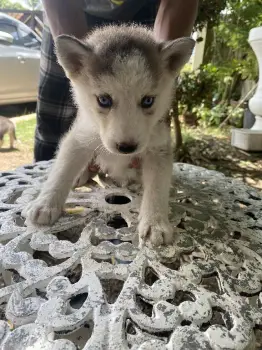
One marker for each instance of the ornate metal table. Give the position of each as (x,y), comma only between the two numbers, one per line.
(84,284)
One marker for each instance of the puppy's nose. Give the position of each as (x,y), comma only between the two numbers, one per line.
(126,148)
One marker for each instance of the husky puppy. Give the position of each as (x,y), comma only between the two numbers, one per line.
(7,127)
(123,84)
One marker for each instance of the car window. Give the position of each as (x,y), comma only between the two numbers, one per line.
(21,36)
(27,38)
(10,29)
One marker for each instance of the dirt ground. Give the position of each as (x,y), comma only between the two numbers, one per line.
(22,154)
(209,148)
(212,150)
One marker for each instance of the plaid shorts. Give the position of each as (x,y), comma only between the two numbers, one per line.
(55,107)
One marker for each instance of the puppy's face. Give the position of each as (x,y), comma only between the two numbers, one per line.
(126,79)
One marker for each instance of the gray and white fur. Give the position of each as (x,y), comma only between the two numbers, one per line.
(123,84)
(7,127)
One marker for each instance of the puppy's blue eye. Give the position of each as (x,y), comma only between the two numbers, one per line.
(147,101)
(105,101)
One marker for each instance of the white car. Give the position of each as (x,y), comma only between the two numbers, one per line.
(19,62)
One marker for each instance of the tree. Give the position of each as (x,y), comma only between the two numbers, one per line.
(229,49)
(231,37)
(33,4)
(208,15)
(209,12)
(7,4)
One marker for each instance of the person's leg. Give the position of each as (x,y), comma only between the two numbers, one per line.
(55,107)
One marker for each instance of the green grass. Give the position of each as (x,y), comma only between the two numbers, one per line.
(24,146)
(190,134)
(25,130)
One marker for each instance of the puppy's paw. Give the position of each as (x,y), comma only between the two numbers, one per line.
(42,211)
(156,231)
(82,178)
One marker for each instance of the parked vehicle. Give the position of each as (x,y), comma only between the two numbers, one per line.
(19,61)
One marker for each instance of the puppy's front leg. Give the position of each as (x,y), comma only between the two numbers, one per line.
(157,173)
(70,159)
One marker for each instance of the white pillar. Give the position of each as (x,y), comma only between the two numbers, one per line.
(199,49)
(255,103)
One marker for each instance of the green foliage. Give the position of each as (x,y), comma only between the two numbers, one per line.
(199,93)
(208,92)
(215,116)
(209,12)
(7,4)
(231,50)
(197,87)
(33,4)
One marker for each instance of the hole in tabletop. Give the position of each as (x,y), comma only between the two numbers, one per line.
(235,219)
(117,221)
(255,198)
(130,329)
(79,337)
(74,275)
(249,295)
(100,260)
(19,220)
(6,174)
(251,215)
(187,200)
(14,196)
(235,234)
(95,241)
(185,323)
(150,276)
(15,276)
(144,306)
(255,227)
(29,167)
(219,317)
(77,301)
(47,258)
(174,265)
(41,293)
(72,234)
(22,182)
(2,312)
(258,337)
(111,288)
(117,199)
(211,283)
(182,224)
(181,296)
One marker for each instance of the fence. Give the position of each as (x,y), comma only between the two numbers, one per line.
(34,19)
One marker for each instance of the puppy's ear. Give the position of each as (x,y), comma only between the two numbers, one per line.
(72,54)
(176,53)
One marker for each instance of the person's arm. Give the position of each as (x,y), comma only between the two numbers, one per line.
(175,19)
(66,17)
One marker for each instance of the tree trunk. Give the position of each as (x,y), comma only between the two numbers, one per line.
(208,52)
(177,126)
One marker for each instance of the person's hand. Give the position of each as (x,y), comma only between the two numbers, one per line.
(175,19)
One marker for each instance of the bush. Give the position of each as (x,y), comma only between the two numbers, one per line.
(196,88)
(216,115)
(203,93)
